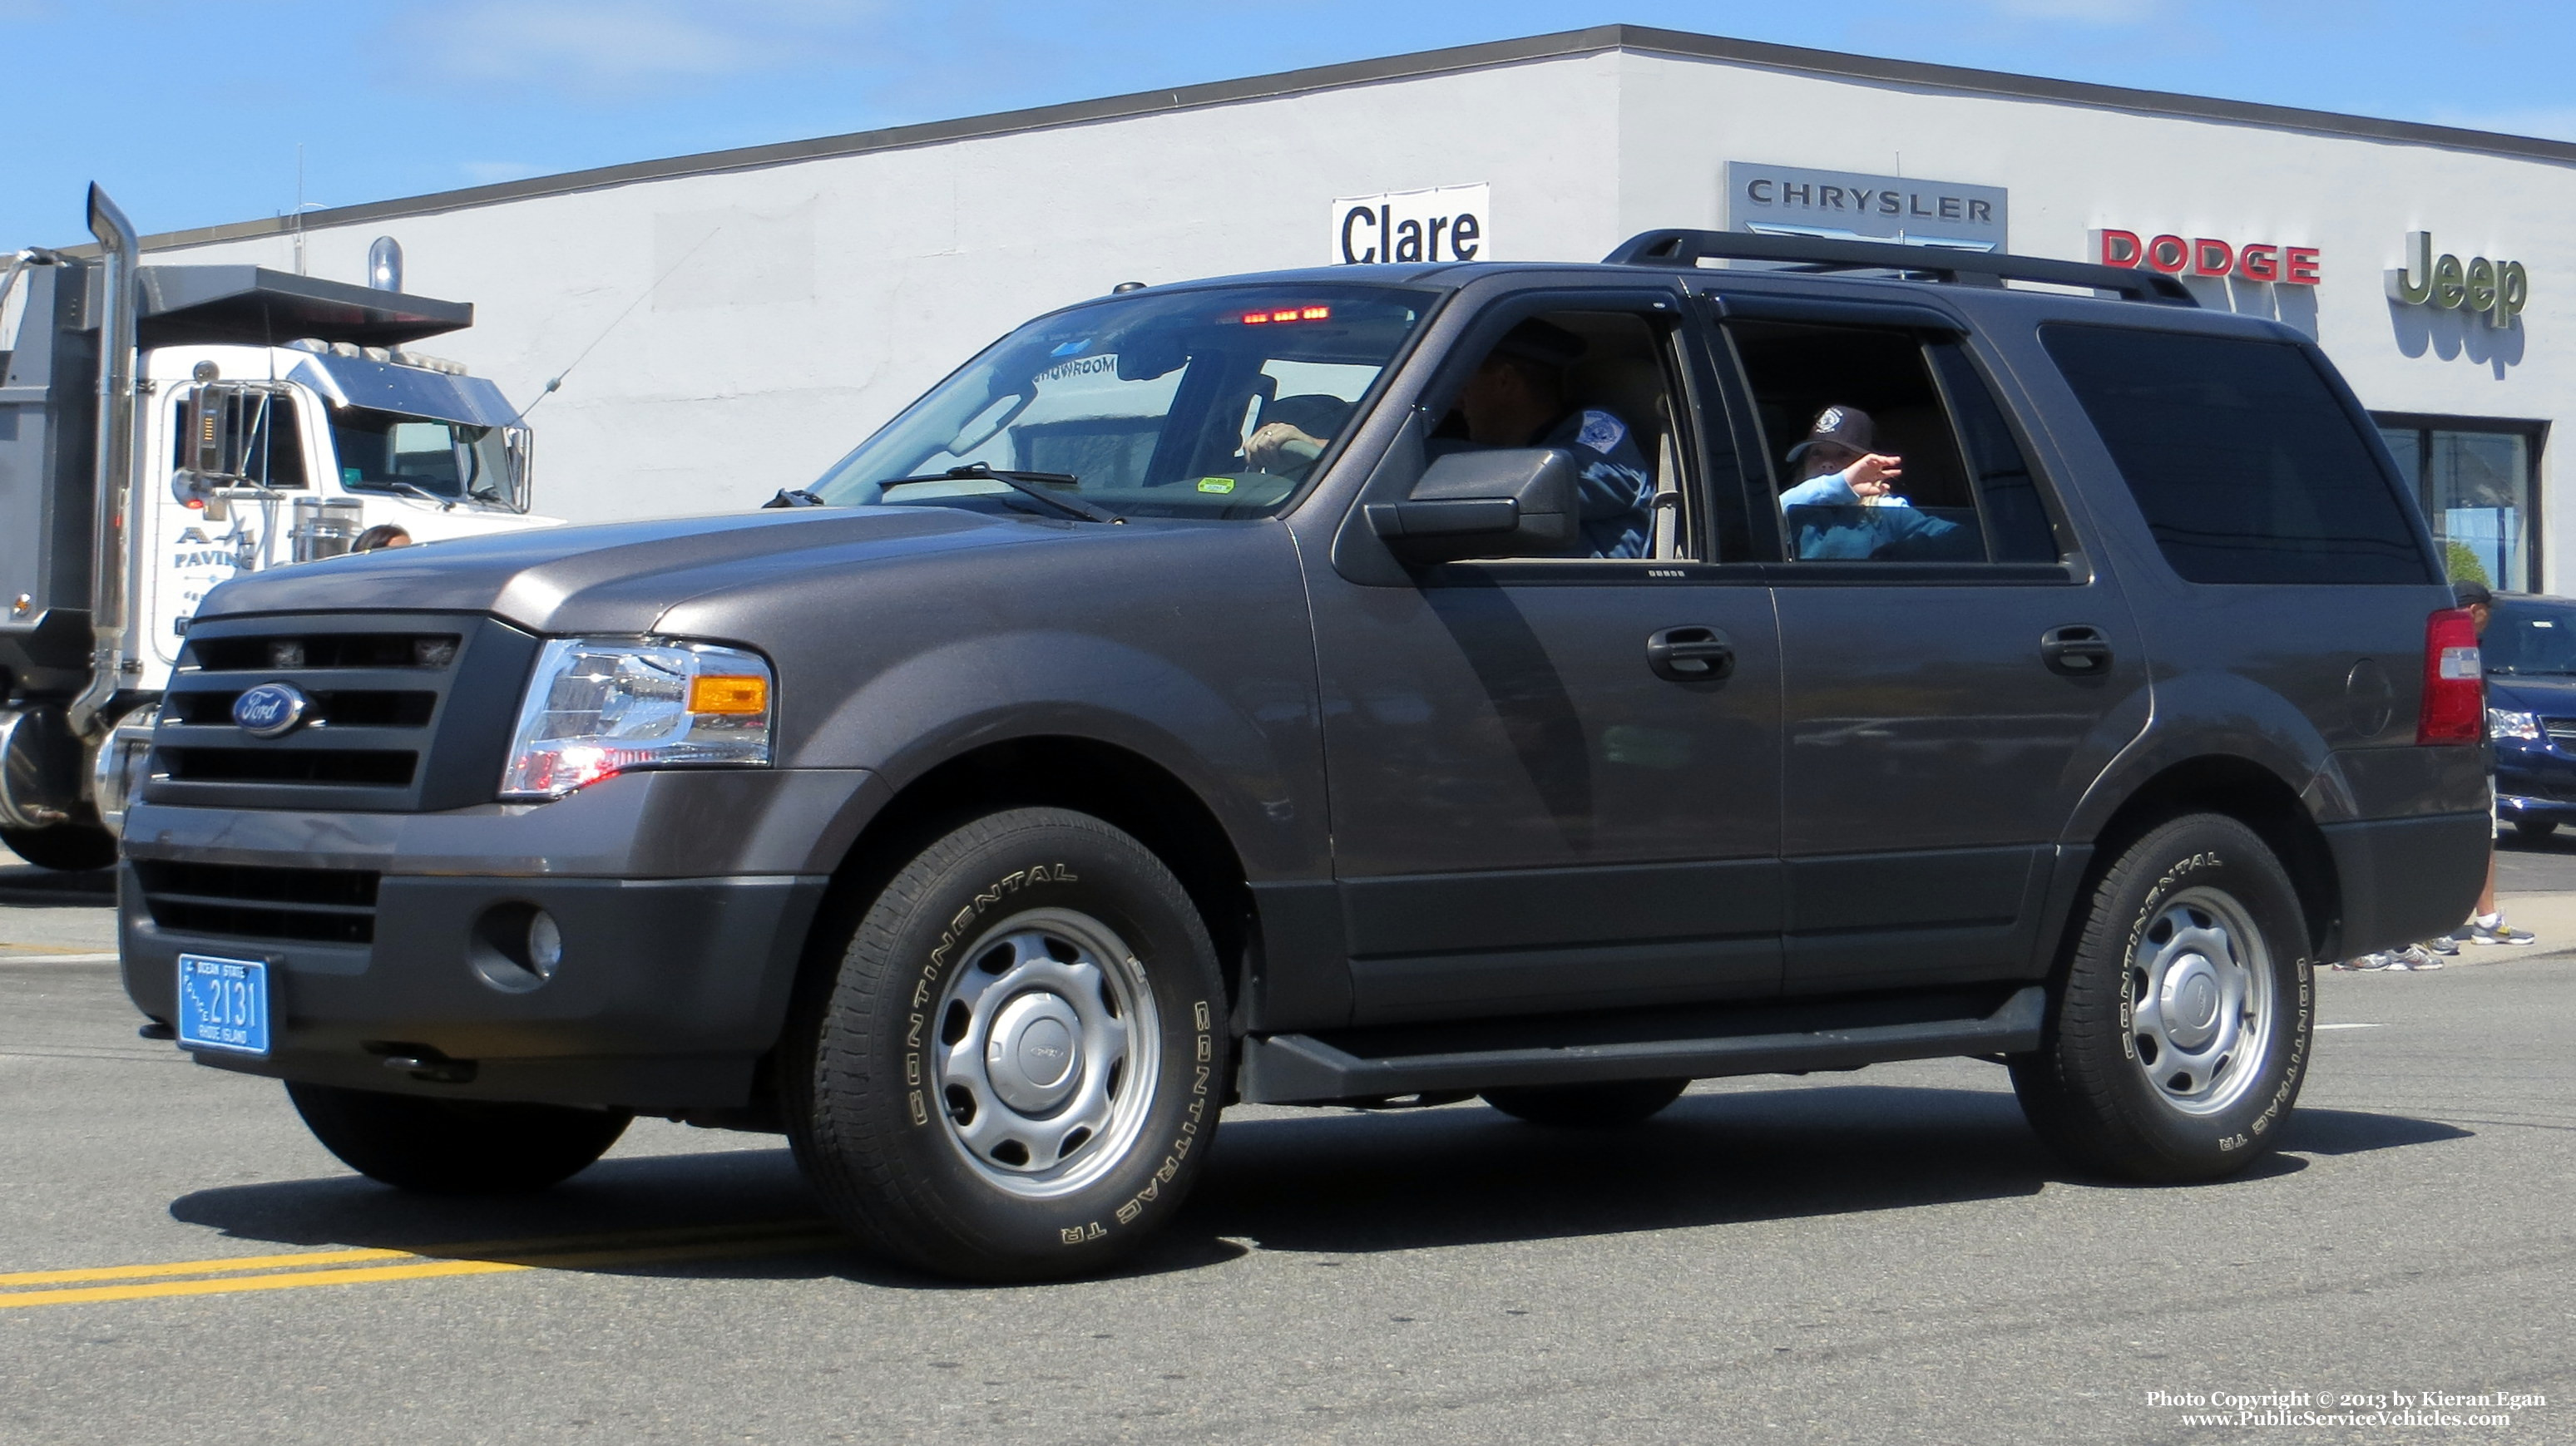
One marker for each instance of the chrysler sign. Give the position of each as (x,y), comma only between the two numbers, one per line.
(1791,201)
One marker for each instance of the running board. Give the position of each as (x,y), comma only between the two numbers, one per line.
(1283,1069)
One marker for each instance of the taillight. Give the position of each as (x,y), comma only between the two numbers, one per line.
(2455,697)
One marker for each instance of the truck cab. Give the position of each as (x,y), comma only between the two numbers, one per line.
(164,429)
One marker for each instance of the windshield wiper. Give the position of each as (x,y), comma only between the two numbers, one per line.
(424,494)
(1028,484)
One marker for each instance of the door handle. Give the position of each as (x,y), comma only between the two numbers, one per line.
(1690,655)
(2076,650)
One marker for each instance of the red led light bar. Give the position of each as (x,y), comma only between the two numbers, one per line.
(1288,313)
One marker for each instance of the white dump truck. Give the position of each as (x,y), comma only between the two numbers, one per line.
(166,428)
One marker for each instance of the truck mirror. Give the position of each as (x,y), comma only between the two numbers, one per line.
(520,443)
(205,432)
(1504,502)
(225,421)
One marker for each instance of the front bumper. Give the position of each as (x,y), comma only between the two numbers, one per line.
(672,988)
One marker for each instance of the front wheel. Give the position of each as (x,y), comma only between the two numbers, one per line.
(2535,829)
(2179,1037)
(1020,1059)
(455,1147)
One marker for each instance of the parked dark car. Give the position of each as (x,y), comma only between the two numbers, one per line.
(2530,652)
(1379,684)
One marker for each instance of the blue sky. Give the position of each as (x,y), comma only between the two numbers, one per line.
(192,113)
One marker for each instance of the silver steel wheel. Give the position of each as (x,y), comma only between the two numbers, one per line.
(2202,1006)
(1048,1051)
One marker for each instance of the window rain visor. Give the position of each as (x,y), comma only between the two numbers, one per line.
(597,707)
(1201,403)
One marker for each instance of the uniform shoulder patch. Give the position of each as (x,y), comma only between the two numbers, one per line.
(1601,431)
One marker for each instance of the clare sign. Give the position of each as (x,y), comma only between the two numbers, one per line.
(1450,223)
(2496,290)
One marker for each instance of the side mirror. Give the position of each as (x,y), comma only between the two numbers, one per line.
(1507,502)
(226,422)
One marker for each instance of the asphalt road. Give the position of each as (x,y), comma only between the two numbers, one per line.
(1868,1258)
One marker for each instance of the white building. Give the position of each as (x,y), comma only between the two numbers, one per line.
(733,321)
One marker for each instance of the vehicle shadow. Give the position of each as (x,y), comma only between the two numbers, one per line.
(1325,1182)
(26,884)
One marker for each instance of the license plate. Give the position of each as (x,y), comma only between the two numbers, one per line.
(223,1004)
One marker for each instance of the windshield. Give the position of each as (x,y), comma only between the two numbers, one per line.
(1213,403)
(389,452)
(2530,640)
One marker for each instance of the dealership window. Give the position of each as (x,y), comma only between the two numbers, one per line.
(2479,483)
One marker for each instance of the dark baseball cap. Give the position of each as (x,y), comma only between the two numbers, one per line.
(2470,593)
(1541,341)
(1844,427)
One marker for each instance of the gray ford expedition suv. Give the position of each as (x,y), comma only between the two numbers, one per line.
(1554,683)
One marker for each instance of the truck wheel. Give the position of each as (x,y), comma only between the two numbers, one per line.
(70,847)
(2535,829)
(1587,1106)
(2179,1036)
(1019,1061)
(454,1147)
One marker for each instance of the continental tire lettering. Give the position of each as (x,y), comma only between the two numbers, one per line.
(985,898)
(920,1114)
(912,1033)
(1127,1214)
(2297,1064)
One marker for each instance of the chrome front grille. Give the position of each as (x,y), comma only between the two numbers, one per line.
(404,713)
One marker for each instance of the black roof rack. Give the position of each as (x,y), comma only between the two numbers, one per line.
(1816,253)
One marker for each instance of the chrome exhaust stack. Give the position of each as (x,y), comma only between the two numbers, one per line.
(112,578)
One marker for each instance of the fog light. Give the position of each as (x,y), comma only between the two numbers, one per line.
(545,945)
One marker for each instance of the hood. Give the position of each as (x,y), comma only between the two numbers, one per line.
(617,577)
(2548,697)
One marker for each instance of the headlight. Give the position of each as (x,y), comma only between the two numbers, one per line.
(604,706)
(2506,723)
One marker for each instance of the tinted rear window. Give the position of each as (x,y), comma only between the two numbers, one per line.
(2246,464)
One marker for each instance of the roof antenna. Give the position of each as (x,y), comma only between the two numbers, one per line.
(557,380)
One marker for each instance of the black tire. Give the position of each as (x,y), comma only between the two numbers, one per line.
(455,1147)
(2111,1087)
(905,1107)
(69,847)
(2535,829)
(1605,1105)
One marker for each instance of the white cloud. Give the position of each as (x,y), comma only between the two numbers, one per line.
(2087,12)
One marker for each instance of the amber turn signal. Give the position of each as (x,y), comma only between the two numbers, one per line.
(728,694)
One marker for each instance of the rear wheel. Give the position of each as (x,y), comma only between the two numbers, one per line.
(1587,1106)
(2179,1037)
(455,1147)
(70,847)
(2535,828)
(1016,1068)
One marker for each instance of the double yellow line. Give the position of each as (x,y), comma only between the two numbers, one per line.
(230,1274)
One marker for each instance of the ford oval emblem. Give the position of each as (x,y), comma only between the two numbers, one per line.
(270,710)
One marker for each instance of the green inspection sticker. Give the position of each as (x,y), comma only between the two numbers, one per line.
(1216,484)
